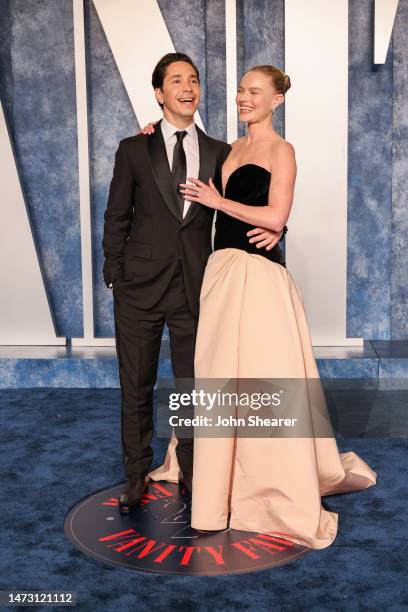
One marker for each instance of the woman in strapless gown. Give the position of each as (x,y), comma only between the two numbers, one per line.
(252,325)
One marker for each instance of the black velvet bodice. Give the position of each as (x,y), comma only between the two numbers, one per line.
(248,184)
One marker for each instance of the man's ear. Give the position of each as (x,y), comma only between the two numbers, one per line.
(159,95)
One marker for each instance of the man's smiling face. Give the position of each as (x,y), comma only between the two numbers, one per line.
(180,93)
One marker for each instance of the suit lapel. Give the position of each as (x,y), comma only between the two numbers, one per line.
(207,170)
(161,172)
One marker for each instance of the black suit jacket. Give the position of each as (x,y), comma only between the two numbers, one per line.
(144,232)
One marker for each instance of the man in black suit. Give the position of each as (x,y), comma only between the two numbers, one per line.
(156,245)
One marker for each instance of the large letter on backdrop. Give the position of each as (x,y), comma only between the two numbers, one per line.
(316,58)
(25,312)
(384,16)
(138,37)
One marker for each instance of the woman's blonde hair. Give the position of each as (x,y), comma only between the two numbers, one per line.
(280,80)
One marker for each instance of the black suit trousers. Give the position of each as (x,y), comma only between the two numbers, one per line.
(138,339)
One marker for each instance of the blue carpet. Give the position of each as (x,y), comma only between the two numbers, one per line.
(58,446)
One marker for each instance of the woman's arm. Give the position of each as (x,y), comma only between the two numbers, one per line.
(280,197)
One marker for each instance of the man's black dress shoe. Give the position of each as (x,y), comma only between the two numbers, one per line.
(132,494)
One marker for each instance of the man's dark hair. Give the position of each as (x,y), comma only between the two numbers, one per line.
(160,70)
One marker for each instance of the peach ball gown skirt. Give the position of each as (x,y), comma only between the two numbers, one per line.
(252,325)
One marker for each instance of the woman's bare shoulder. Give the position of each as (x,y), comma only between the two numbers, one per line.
(280,145)
(237,143)
(281,149)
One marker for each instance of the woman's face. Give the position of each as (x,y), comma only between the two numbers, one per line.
(256,97)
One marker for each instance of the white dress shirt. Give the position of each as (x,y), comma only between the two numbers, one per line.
(191,149)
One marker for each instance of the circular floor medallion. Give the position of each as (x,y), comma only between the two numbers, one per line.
(157,537)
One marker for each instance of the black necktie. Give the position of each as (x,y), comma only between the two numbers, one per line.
(179,166)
